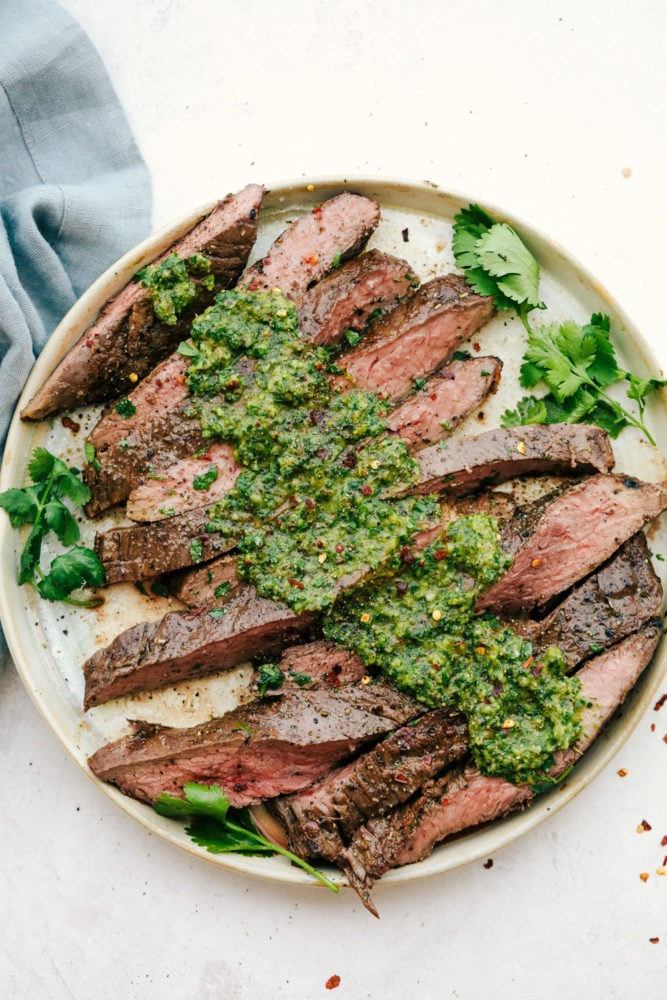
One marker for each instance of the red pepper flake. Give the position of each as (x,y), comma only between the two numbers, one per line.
(332,982)
(664,861)
(440,554)
(308,503)
(653,727)
(654,940)
(405,233)
(181,379)
(367,490)
(317,211)
(488,864)
(444,801)
(340,548)
(644,876)
(312,259)
(253,285)
(660,702)
(663,842)
(401,778)
(644,826)
(477,347)
(664,738)
(70,424)
(295,583)
(527,663)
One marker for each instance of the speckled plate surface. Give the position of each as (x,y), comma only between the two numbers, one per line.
(49,642)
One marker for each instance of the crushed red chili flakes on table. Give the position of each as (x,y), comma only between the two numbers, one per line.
(332,982)
(622,772)
(488,864)
(71,424)
(644,826)
(654,940)
(660,702)
(663,842)
(644,876)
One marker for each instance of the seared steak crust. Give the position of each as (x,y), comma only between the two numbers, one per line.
(186,644)
(464,466)
(266,748)
(370,284)
(127,339)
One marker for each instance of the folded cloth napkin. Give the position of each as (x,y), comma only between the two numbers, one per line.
(74,191)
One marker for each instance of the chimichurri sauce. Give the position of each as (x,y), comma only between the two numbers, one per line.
(173,285)
(315,528)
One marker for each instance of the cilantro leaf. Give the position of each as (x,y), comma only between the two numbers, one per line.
(59,519)
(22,505)
(529,410)
(222,829)
(269,676)
(70,571)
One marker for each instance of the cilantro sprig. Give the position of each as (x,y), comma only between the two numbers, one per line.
(576,364)
(41,504)
(222,829)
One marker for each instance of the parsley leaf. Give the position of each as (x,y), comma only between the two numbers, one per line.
(269,675)
(222,829)
(41,505)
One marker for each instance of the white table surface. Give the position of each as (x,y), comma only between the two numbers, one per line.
(555,111)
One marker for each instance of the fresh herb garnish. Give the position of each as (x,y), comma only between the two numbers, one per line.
(352,337)
(125,408)
(206,479)
(222,588)
(42,505)
(576,363)
(269,676)
(222,829)
(196,550)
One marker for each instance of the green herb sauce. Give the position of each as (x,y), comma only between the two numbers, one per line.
(312,518)
(174,284)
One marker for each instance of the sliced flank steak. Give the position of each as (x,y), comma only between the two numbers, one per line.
(417,337)
(465,798)
(464,466)
(311,665)
(569,537)
(266,748)
(127,340)
(312,246)
(367,286)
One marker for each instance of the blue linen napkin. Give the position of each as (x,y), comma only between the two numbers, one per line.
(74,191)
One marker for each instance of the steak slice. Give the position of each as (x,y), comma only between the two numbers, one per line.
(153,429)
(368,285)
(417,337)
(308,249)
(202,586)
(144,551)
(266,748)
(179,488)
(126,339)
(617,600)
(461,467)
(447,398)
(314,664)
(467,798)
(569,537)
(321,819)
(186,644)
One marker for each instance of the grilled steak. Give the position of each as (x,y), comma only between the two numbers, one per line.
(320,820)
(151,431)
(447,398)
(127,339)
(266,748)
(569,537)
(621,597)
(184,486)
(187,644)
(467,798)
(417,337)
(368,285)
(147,550)
(461,467)
(308,249)
(315,664)
(203,586)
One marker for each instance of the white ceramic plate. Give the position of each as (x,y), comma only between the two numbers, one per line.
(49,642)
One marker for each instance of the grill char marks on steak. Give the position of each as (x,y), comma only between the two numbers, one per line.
(315,664)
(320,820)
(417,337)
(186,644)
(465,799)
(370,284)
(465,466)
(308,249)
(621,597)
(127,338)
(447,398)
(174,490)
(266,748)
(569,538)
